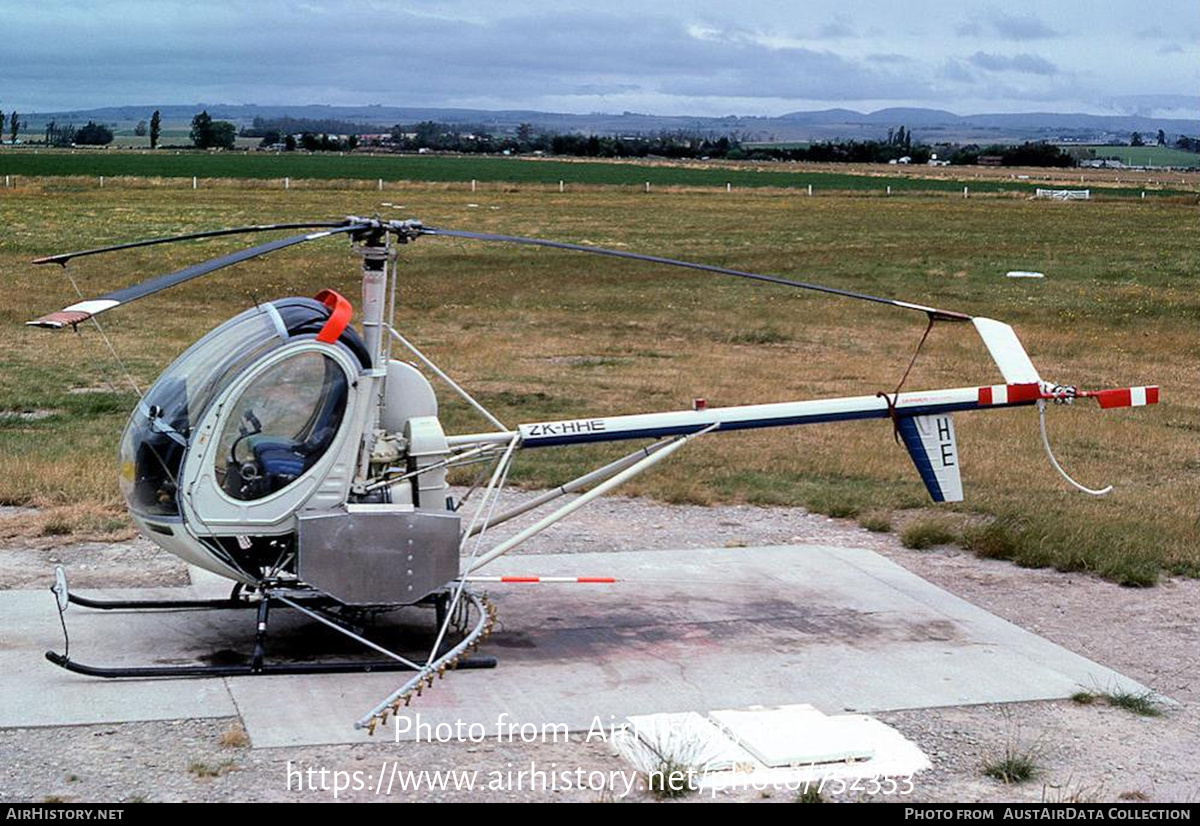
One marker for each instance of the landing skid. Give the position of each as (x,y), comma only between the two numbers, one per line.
(234,600)
(185,671)
(281,597)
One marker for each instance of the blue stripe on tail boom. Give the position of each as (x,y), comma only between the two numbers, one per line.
(920,456)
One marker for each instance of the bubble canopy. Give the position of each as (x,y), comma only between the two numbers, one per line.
(156,438)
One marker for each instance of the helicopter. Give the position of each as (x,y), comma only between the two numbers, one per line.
(290,453)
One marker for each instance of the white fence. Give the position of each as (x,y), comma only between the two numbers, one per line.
(1065,194)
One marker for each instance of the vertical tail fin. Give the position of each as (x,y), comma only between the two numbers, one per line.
(930,442)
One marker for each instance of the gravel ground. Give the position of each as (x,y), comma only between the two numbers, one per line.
(1082,752)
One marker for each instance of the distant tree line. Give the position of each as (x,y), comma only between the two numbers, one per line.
(899,145)
(1030,153)
(441,137)
(207,133)
(308,141)
(263,127)
(65,134)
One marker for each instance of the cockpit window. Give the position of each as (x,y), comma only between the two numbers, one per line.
(281,425)
(155,439)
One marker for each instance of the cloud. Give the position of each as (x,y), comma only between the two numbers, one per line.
(1006,26)
(1023,63)
(706,56)
(954,71)
(837,29)
(1021,27)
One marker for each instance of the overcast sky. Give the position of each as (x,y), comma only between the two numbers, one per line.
(709,58)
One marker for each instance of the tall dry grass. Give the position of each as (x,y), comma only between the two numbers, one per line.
(541,334)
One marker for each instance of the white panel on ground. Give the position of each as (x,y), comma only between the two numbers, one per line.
(895,757)
(795,735)
(688,737)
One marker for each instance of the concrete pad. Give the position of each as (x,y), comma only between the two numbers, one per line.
(841,629)
(683,631)
(33,692)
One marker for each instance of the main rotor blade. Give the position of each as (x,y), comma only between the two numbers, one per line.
(83,310)
(64,257)
(933,312)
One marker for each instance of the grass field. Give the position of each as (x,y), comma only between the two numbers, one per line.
(541,334)
(1157,156)
(452,169)
(1146,155)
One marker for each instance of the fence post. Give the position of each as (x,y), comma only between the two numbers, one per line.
(889,192)
(1143,194)
(810,190)
(472,184)
(287,183)
(647,186)
(7,182)
(381,184)
(965,192)
(102,182)
(560,186)
(728,187)
(194,183)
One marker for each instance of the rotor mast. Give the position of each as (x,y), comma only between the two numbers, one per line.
(373,246)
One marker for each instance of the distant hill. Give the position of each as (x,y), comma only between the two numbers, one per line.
(930,125)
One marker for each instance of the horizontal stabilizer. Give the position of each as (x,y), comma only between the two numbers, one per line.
(930,442)
(1006,350)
